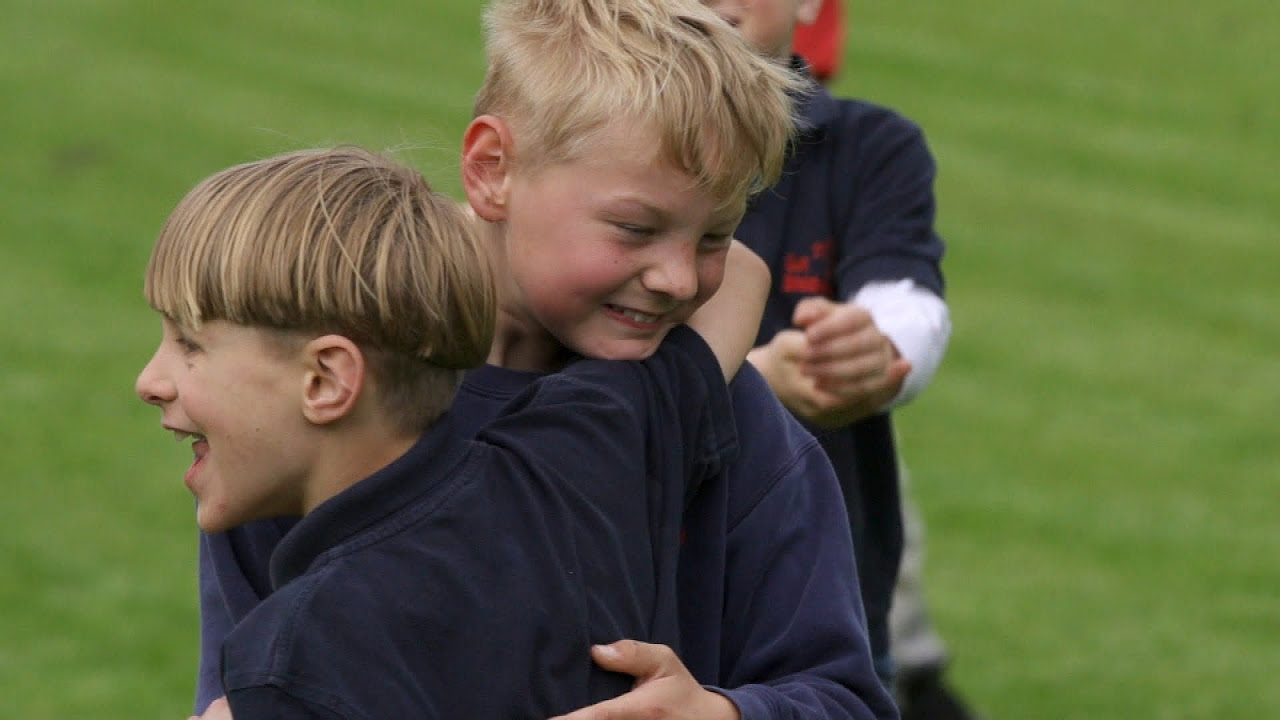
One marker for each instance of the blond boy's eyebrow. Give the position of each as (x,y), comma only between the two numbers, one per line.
(633,203)
(724,220)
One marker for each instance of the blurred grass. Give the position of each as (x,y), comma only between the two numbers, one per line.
(112,111)
(1097,459)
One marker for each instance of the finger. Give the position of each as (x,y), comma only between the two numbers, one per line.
(867,343)
(898,371)
(859,375)
(644,661)
(818,402)
(810,310)
(219,709)
(843,319)
(850,356)
(637,659)
(848,379)
(876,388)
(790,346)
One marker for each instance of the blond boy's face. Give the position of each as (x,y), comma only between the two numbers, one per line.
(236,400)
(609,252)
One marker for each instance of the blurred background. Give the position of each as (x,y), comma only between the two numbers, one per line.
(1098,460)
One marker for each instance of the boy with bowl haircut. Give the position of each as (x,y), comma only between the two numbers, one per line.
(614,145)
(318,308)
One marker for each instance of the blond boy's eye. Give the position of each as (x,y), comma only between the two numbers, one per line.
(187,345)
(631,229)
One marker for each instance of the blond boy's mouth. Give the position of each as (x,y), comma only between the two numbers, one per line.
(635,315)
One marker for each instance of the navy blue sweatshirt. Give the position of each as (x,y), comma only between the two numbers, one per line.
(854,205)
(768,599)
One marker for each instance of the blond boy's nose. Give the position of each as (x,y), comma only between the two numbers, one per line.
(151,387)
(677,282)
(675,276)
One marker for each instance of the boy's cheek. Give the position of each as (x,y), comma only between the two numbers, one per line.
(711,277)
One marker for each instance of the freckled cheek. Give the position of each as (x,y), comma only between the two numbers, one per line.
(710,277)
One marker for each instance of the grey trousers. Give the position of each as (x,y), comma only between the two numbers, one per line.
(913,641)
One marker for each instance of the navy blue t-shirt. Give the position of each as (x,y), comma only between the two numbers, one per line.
(468,579)
(855,205)
(769,605)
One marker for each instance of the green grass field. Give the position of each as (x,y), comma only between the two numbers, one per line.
(1098,460)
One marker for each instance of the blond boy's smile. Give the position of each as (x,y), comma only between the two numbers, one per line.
(635,318)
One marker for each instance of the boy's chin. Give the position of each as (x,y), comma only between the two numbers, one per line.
(614,349)
(212,517)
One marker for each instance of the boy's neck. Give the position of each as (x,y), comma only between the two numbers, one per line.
(520,342)
(349,455)
(517,347)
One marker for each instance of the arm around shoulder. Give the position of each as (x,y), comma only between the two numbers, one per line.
(794,627)
(730,320)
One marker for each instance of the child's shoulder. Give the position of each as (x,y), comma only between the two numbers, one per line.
(682,354)
(859,118)
(854,132)
(590,398)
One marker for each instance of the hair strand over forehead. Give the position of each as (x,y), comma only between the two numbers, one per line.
(332,241)
(560,71)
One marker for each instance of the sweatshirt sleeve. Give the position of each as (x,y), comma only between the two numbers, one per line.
(677,398)
(794,640)
(885,209)
(266,702)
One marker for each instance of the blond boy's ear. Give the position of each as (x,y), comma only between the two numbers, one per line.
(486,166)
(334,378)
(807,11)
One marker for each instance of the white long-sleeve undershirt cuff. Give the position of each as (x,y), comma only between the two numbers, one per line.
(916,321)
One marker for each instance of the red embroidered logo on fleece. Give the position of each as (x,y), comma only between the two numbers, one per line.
(811,273)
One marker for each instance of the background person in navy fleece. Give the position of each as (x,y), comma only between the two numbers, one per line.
(855,323)
(920,656)
(769,607)
(317,308)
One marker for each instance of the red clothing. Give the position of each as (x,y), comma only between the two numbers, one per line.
(822,43)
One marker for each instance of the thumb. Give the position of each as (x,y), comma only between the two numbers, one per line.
(897,372)
(810,310)
(792,345)
(637,659)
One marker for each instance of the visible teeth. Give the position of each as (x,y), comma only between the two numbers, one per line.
(182,436)
(639,316)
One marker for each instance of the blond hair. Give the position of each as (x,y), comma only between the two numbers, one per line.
(561,70)
(337,241)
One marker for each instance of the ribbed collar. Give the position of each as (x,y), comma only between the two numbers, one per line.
(431,460)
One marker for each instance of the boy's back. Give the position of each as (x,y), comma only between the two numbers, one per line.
(471,579)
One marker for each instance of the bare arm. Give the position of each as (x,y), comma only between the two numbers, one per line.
(730,320)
